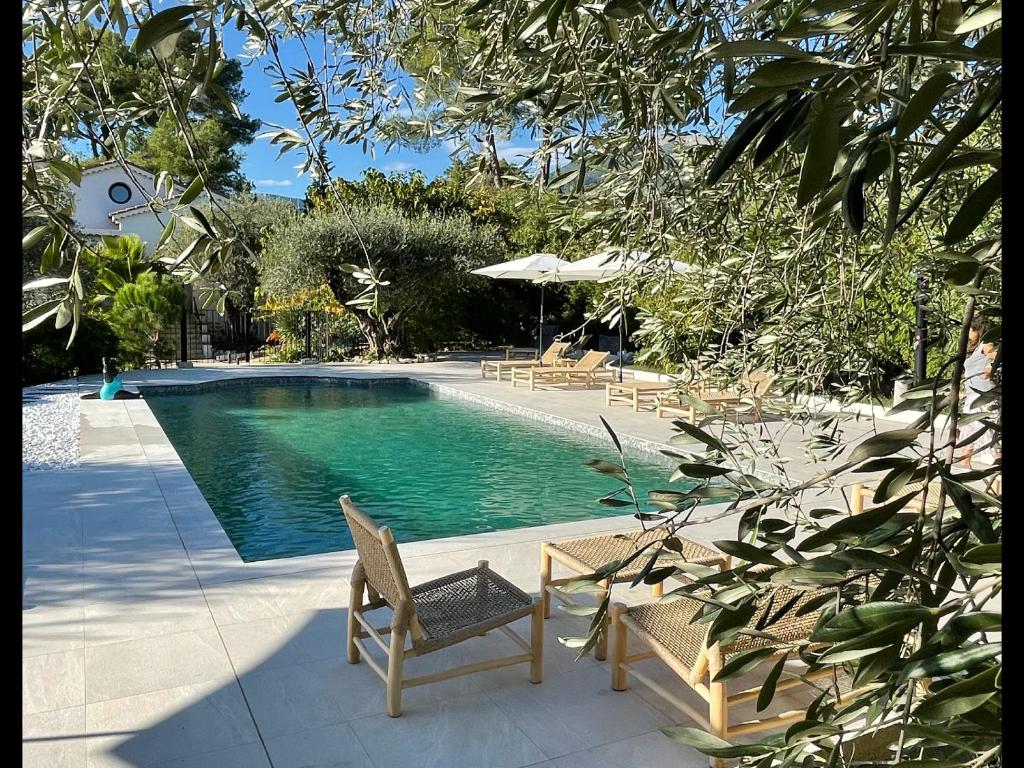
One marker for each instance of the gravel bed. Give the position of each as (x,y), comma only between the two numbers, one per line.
(49,426)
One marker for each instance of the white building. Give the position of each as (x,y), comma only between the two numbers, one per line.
(110,201)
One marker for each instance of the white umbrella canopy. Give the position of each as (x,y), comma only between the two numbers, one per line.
(527,268)
(607,265)
(533,267)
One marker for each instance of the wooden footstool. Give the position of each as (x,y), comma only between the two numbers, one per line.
(634,393)
(585,556)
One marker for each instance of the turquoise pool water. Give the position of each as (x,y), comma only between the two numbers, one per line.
(272,461)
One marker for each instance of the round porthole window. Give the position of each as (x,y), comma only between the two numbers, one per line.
(120,193)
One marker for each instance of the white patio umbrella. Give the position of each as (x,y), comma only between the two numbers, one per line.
(534,268)
(608,265)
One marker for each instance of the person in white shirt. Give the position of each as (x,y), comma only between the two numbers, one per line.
(977,370)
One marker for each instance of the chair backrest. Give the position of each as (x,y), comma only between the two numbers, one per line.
(553,353)
(757,383)
(591,361)
(379,555)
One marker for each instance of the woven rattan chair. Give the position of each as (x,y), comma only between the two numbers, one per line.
(552,355)
(433,615)
(588,369)
(666,630)
(584,556)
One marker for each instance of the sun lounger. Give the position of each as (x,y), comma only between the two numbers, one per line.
(552,355)
(634,393)
(588,370)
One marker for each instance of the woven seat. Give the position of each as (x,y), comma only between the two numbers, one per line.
(465,604)
(667,631)
(589,554)
(434,615)
(668,624)
(585,556)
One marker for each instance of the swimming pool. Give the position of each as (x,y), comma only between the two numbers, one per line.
(273,459)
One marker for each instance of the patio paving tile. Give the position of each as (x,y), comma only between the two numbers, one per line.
(250,755)
(141,666)
(334,746)
(120,621)
(167,725)
(53,681)
(464,732)
(576,710)
(651,750)
(240,601)
(54,739)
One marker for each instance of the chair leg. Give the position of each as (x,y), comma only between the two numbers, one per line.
(719,703)
(396,658)
(545,580)
(355,605)
(537,642)
(601,649)
(857,500)
(620,677)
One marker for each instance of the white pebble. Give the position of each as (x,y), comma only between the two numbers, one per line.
(50,426)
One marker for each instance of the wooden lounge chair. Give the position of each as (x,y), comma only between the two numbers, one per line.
(634,393)
(752,389)
(585,556)
(666,631)
(588,369)
(552,355)
(435,614)
(863,492)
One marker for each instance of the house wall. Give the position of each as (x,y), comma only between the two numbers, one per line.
(146,225)
(93,205)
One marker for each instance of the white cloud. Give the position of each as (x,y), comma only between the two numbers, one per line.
(515,155)
(274,182)
(399,165)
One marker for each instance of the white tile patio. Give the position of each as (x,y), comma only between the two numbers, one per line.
(149,643)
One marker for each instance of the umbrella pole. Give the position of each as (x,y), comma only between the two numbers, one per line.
(622,321)
(540,325)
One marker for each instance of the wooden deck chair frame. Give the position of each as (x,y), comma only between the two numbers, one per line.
(863,493)
(700,678)
(379,581)
(587,367)
(753,389)
(554,551)
(550,357)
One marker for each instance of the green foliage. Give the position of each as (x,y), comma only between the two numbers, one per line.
(144,315)
(421,269)
(45,356)
(254,218)
(156,142)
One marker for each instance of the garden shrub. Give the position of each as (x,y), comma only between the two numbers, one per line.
(45,357)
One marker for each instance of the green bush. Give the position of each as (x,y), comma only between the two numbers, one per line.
(423,261)
(44,357)
(144,315)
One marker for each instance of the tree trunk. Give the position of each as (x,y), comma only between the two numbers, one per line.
(545,169)
(492,150)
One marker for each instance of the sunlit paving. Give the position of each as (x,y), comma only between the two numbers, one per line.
(491,384)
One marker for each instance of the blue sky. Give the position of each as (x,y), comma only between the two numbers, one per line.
(278,175)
